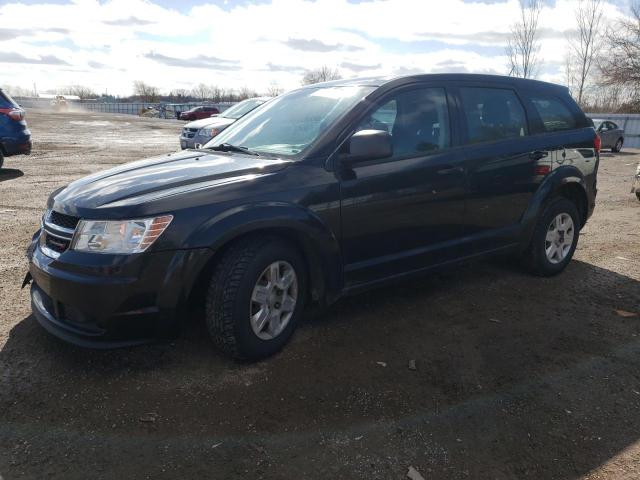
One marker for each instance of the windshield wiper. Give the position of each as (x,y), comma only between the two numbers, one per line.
(227,147)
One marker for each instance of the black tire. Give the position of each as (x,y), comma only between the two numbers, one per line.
(228,299)
(1,159)
(617,146)
(535,257)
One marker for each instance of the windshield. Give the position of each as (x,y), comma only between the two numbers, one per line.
(242,108)
(290,123)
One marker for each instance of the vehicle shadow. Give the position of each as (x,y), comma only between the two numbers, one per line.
(10,174)
(515,377)
(623,153)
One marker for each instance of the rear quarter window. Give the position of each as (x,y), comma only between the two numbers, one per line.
(6,100)
(555,115)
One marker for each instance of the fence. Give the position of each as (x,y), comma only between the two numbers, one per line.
(167,110)
(629,122)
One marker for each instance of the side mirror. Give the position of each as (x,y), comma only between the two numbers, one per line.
(368,145)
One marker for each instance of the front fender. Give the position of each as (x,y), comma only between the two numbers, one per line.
(304,225)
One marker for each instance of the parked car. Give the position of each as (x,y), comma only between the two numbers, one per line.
(323,192)
(15,137)
(196,113)
(636,183)
(59,102)
(611,134)
(201,131)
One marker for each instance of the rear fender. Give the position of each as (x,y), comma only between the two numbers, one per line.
(550,187)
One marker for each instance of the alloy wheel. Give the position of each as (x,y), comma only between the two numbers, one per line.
(559,239)
(273,300)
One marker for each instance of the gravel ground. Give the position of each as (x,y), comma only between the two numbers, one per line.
(516,376)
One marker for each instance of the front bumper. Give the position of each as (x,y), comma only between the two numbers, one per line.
(106,301)
(198,139)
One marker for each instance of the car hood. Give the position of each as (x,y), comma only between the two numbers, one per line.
(210,122)
(159,177)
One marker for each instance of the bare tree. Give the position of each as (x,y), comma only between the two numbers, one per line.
(584,47)
(17,91)
(146,92)
(274,90)
(79,91)
(621,65)
(322,74)
(523,45)
(202,92)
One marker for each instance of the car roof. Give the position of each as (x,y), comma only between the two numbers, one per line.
(441,77)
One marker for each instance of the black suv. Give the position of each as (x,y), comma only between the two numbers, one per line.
(322,192)
(15,137)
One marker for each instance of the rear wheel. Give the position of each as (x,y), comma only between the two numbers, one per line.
(1,159)
(554,239)
(618,146)
(256,297)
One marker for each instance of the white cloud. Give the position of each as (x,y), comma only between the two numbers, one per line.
(107,45)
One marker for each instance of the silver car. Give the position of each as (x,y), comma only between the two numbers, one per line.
(201,131)
(611,134)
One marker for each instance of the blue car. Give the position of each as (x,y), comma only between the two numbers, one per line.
(15,137)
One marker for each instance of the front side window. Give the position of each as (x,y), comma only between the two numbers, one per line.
(417,120)
(492,114)
(554,114)
(288,124)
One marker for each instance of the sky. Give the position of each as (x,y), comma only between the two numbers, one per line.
(172,44)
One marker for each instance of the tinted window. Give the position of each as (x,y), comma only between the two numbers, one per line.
(613,126)
(553,113)
(492,114)
(418,121)
(6,100)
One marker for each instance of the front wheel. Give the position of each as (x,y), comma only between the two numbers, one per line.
(554,239)
(256,297)
(618,146)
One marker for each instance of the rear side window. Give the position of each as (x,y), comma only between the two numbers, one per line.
(6,100)
(553,113)
(492,114)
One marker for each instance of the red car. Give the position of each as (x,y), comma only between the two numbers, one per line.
(196,113)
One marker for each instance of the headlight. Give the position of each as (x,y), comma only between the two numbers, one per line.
(125,236)
(209,132)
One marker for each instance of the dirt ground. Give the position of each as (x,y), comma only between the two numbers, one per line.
(516,376)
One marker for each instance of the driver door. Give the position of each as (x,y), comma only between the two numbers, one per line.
(405,212)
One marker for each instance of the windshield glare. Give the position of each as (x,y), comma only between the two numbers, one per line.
(242,108)
(290,123)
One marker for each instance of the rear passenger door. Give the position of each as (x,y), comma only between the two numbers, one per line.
(503,162)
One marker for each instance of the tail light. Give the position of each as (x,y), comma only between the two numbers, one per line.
(597,143)
(13,113)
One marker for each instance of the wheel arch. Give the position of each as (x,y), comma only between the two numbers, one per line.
(296,225)
(566,181)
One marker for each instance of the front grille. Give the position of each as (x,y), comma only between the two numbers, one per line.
(189,132)
(62,220)
(56,244)
(57,233)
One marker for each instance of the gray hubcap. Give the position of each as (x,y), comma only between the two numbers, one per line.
(273,300)
(559,238)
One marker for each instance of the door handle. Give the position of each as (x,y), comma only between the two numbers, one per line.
(448,170)
(538,155)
